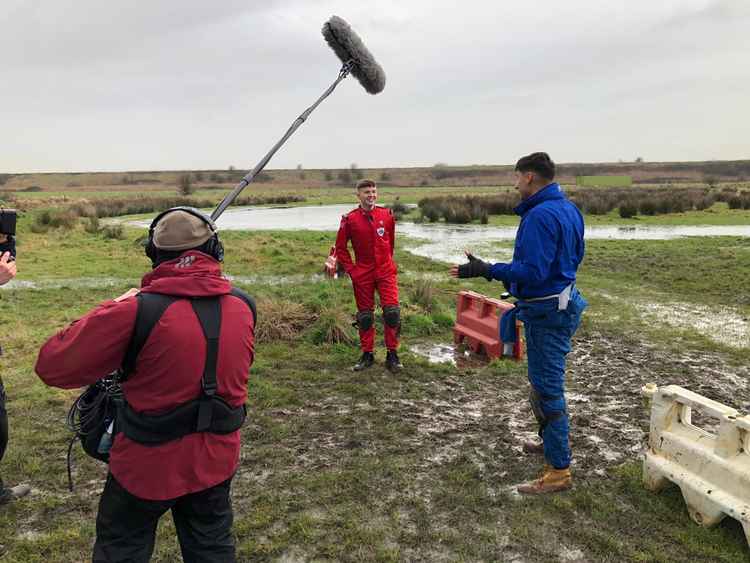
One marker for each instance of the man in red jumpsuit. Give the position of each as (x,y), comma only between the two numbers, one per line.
(190,475)
(372,231)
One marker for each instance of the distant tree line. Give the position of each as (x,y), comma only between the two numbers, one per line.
(628,201)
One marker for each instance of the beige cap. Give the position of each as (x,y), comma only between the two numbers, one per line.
(181,230)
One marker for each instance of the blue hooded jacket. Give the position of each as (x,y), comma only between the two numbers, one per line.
(549,246)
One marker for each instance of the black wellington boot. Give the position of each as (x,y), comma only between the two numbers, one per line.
(366,361)
(392,363)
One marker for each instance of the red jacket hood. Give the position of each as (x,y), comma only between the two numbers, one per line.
(193,274)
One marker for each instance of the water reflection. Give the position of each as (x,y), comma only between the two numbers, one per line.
(447,242)
(328,217)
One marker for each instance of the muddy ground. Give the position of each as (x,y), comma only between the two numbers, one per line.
(609,419)
(403,440)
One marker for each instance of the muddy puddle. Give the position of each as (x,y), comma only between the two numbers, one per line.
(436,353)
(720,324)
(723,325)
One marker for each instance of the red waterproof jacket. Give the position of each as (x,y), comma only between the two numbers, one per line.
(373,236)
(167,373)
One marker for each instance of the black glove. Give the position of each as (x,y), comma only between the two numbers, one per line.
(475,268)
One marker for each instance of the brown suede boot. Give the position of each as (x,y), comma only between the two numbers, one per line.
(551,481)
(532,447)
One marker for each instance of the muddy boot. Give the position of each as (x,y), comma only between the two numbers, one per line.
(392,363)
(551,481)
(532,447)
(364,362)
(8,494)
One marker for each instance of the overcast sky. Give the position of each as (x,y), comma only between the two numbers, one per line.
(161,85)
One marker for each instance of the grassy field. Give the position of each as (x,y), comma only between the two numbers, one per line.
(338,466)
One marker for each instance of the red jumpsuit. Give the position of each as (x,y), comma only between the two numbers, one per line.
(373,236)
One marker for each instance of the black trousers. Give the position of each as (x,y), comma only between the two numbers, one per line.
(3,425)
(126,525)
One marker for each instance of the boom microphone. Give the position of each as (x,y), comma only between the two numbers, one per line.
(357,60)
(349,47)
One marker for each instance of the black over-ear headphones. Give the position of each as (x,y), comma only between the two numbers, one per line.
(212,246)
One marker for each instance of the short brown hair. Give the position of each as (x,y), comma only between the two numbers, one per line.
(538,162)
(366,183)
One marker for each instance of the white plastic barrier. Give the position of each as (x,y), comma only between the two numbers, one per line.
(712,470)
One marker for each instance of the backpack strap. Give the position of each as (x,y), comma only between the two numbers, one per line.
(208,311)
(207,413)
(151,307)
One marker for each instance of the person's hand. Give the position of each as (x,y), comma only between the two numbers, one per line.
(473,269)
(453,272)
(7,268)
(129,293)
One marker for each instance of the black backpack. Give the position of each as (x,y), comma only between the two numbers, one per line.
(101,411)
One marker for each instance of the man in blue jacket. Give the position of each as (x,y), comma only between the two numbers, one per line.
(549,248)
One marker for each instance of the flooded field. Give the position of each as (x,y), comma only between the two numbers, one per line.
(328,218)
(445,242)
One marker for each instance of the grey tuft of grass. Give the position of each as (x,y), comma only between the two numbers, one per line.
(92,226)
(114,232)
(280,319)
(423,294)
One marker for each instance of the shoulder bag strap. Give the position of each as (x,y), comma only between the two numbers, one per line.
(208,311)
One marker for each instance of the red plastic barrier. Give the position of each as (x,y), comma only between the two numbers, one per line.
(477,322)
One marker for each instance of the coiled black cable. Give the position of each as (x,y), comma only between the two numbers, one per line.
(92,411)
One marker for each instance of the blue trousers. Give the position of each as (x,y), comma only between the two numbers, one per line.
(548,334)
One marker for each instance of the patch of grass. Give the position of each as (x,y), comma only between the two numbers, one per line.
(423,294)
(333,326)
(116,232)
(93,226)
(279,319)
(419,325)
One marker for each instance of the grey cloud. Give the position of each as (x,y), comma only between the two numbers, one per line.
(199,84)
